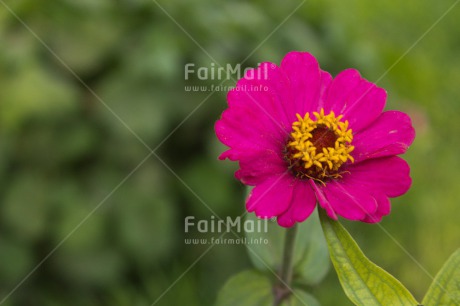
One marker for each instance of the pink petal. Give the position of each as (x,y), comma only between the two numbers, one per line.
(358,100)
(387,175)
(244,131)
(257,169)
(391,134)
(363,193)
(256,118)
(265,90)
(305,78)
(326,80)
(323,202)
(272,197)
(383,209)
(302,205)
(348,201)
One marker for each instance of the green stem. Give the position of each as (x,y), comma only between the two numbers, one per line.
(283,288)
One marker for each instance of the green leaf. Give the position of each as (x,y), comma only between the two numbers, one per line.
(311,262)
(247,288)
(252,288)
(300,298)
(445,289)
(364,282)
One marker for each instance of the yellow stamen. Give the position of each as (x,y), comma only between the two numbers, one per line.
(318,148)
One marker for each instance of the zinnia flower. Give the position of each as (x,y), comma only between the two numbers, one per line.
(307,138)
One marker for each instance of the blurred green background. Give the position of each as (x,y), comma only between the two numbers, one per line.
(62,152)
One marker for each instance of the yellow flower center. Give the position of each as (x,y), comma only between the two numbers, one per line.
(317,148)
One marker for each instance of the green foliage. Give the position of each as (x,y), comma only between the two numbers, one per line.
(300,298)
(310,264)
(251,288)
(445,289)
(365,283)
(310,260)
(248,288)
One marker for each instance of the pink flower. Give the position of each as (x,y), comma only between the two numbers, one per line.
(307,138)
